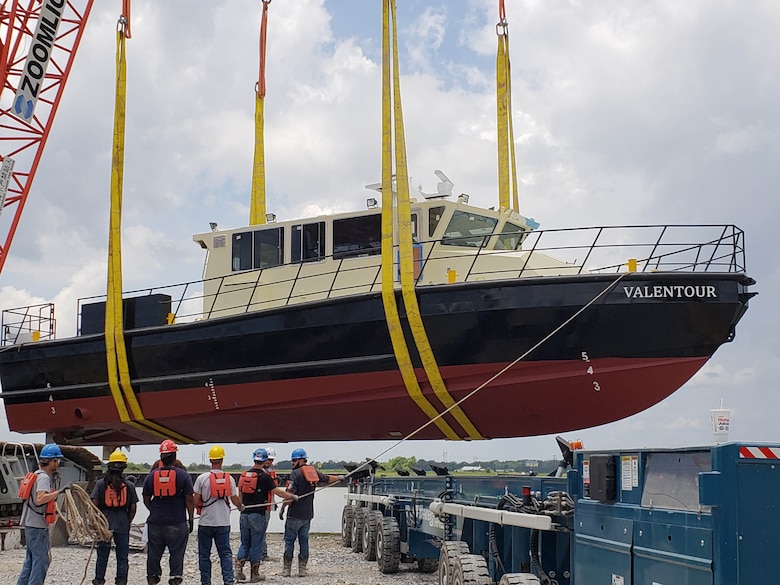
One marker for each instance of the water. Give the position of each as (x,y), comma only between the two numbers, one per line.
(328,504)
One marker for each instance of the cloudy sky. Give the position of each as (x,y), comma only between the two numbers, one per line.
(625,113)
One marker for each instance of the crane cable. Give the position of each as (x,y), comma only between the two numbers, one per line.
(392,105)
(116,351)
(257,206)
(506,135)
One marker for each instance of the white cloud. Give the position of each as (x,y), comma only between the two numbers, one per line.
(624,113)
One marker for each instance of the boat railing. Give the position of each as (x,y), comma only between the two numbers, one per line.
(22,324)
(656,248)
(606,249)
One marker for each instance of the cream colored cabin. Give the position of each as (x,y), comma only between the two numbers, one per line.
(299,261)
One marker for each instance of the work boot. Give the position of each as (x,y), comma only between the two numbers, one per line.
(238,569)
(255,576)
(302,572)
(98,582)
(120,582)
(175,581)
(287,566)
(153,580)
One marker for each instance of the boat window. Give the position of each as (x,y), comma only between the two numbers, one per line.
(357,236)
(469,229)
(259,249)
(269,247)
(307,242)
(415,231)
(510,238)
(242,251)
(434,217)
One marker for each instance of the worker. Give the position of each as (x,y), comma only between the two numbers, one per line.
(214,491)
(269,469)
(115,496)
(168,494)
(303,480)
(38,511)
(253,488)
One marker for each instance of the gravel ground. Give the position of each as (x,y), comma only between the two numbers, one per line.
(329,564)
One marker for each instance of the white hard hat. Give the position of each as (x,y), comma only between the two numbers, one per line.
(271,452)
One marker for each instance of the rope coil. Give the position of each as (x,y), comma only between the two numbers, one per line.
(85,523)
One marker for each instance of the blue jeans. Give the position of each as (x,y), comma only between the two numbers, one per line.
(36,559)
(220,535)
(173,537)
(122,542)
(252,527)
(267,522)
(296,528)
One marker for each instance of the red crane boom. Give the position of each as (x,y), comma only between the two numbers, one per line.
(26,28)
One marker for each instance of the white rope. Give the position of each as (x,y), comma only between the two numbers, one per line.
(497,374)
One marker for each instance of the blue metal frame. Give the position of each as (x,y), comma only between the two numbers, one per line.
(699,516)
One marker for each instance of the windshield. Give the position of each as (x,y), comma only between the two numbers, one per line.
(510,238)
(469,229)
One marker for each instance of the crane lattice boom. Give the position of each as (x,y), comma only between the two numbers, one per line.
(22,141)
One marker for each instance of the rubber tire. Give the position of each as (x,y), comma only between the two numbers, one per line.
(470,570)
(519,579)
(370,525)
(388,545)
(346,525)
(427,565)
(450,549)
(358,519)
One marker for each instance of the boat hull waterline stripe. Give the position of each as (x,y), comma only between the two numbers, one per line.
(375,404)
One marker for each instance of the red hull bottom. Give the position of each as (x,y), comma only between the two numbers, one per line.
(531,398)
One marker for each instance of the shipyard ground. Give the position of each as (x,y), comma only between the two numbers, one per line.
(330,564)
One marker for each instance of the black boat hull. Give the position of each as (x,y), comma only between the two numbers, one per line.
(326,370)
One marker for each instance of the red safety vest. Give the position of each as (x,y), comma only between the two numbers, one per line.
(164,482)
(114,499)
(247,482)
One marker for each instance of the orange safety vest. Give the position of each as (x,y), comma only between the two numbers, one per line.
(310,474)
(164,482)
(26,487)
(247,482)
(26,490)
(272,473)
(219,490)
(220,484)
(114,499)
(50,515)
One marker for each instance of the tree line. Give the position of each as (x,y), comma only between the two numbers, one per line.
(392,465)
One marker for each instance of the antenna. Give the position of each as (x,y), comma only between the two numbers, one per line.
(443,187)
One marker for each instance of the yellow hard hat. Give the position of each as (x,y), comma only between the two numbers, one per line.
(117,456)
(216,452)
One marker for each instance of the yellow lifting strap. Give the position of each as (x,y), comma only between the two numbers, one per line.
(406,262)
(257,206)
(505,130)
(116,353)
